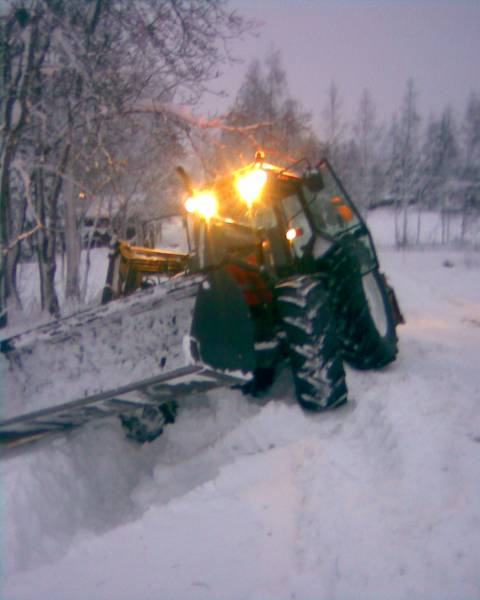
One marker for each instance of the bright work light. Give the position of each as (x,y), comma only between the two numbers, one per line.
(291,234)
(250,185)
(204,203)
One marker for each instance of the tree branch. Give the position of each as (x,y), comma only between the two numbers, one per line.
(151,106)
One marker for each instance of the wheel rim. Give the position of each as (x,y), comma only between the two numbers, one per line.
(376,303)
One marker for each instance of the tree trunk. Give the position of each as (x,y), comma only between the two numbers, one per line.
(11,276)
(419,224)
(48,264)
(14,254)
(15,82)
(465,217)
(397,232)
(8,147)
(405,224)
(46,248)
(47,268)
(4,240)
(3,295)
(72,244)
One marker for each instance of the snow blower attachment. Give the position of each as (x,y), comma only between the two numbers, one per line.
(278,266)
(140,352)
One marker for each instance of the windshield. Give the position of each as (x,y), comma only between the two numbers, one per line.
(331,210)
(260,215)
(333,214)
(168,233)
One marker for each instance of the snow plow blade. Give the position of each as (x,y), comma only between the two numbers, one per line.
(185,336)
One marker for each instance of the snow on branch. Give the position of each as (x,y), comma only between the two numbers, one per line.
(151,106)
(24,236)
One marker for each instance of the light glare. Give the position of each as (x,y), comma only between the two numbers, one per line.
(190,205)
(291,234)
(205,204)
(250,185)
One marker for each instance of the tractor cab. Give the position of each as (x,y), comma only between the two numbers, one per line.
(261,218)
(277,219)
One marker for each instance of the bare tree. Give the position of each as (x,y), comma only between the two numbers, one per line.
(439,164)
(265,116)
(335,127)
(405,161)
(19,38)
(72,72)
(367,183)
(440,155)
(471,139)
(470,163)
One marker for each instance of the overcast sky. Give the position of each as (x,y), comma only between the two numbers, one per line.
(366,44)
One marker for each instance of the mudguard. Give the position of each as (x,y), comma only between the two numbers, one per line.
(222,325)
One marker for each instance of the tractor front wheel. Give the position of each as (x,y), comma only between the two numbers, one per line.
(365,321)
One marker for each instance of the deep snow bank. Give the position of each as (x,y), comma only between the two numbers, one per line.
(245,500)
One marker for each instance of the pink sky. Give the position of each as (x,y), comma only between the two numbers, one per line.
(366,44)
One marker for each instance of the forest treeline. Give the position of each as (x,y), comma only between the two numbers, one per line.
(97,107)
(414,163)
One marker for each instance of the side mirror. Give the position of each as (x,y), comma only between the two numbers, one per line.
(313,180)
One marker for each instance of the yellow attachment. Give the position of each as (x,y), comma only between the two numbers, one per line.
(153,260)
(251,184)
(203,203)
(137,264)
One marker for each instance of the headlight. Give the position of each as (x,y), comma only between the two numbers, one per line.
(203,203)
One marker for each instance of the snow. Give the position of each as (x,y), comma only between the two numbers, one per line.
(256,499)
(30,294)
(434,229)
(100,349)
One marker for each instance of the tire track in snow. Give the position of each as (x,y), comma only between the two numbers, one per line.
(94,479)
(86,481)
(354,455)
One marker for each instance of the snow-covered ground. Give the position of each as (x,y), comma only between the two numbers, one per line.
(245,499)
(429,228)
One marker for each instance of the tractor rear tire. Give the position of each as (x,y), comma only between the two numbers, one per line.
(146,424)
(312,348)
(366,326)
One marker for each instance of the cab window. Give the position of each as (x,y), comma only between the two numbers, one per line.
(329,207)
(297,222)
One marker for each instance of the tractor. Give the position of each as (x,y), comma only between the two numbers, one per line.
(292,243)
